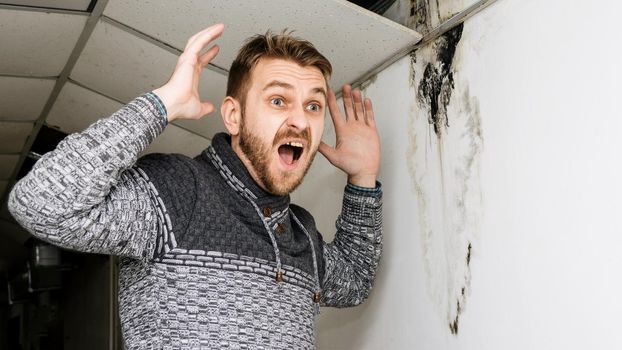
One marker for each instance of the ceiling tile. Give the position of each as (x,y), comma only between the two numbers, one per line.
(353,39)
(177,140)
(123,66)
(23,98)
(78,5)
(37,43)
(76,108)
(13,136)
(7,164)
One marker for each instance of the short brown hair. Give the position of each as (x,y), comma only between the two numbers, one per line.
(281,46)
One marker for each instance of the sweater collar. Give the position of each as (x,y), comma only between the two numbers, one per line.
(221,155)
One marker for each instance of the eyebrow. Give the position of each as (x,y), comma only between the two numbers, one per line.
(281,84)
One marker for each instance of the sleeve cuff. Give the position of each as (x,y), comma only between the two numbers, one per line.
(160,105)
(354,189)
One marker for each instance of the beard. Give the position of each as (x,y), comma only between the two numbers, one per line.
(259,153)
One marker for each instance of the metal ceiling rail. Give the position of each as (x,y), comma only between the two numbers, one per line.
(4,6)
(50,77)
(77,83)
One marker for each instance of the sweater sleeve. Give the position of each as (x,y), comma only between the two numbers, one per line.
(351,259)
(87,196)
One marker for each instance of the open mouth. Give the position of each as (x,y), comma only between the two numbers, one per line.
(290,152)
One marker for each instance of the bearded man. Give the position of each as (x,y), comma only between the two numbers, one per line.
(213,254)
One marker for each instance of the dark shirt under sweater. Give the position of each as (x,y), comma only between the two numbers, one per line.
(197,266)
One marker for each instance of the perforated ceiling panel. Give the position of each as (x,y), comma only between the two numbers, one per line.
(122,66)
(78,5)
(37,43)
(13,136)
(76,108)
(58,68)
(355,40)
(23,98)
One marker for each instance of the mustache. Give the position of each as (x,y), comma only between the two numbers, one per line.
(291,133)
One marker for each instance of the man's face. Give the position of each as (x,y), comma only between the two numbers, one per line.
(282,123)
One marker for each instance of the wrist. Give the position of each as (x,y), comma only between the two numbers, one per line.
(167,101)
(367,181)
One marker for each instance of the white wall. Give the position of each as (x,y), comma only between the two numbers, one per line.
(531,178)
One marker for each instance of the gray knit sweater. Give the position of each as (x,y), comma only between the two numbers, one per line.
(201,243)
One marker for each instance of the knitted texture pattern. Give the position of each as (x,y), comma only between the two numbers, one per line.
(198,267)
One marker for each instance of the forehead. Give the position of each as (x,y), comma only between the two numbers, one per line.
(270,69)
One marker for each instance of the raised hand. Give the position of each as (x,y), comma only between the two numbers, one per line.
(180,94)
(357,148)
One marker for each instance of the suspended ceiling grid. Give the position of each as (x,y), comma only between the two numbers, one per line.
(66,67)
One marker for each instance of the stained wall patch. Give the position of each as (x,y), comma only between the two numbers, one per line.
(445,145)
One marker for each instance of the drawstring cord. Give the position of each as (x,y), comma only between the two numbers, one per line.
(277,253)
(279,272)
(318,290)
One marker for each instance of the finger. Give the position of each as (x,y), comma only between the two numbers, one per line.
(328,152)
(204,60)
(207,108)
(192,41)
(346,95)
(358,105)
(335,114)
(207,57)
(369,113)
(203,38)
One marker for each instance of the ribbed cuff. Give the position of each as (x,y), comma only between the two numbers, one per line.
(375,191)
(160,105)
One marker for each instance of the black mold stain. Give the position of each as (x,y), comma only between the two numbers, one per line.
(413,61)
(434,92)
(453,325)
(419,16)
(437,84)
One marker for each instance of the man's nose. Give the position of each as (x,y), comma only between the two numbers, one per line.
(298,119)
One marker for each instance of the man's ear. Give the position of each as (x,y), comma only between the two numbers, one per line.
(231,113)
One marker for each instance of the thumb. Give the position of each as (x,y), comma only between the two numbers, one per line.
(328,152)
(206,108)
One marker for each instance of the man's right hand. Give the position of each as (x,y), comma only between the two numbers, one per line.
(180,94)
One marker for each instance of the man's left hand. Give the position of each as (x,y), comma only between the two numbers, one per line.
(357,148)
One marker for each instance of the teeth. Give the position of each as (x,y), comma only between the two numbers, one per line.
(295,144)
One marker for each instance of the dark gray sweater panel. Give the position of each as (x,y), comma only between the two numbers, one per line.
(207,215)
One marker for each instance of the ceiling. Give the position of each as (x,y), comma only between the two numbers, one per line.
(68,63)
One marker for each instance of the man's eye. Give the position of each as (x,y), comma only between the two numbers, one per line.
(314,107)
(277,101)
